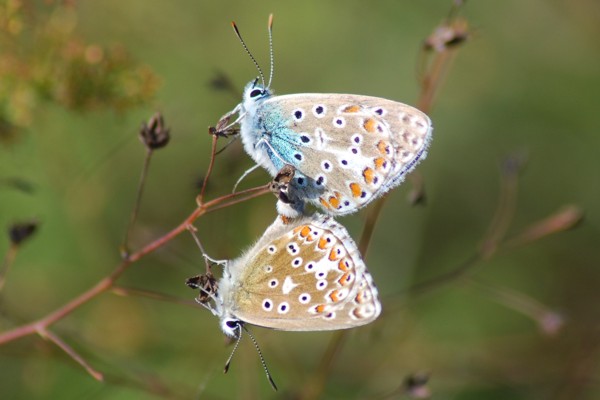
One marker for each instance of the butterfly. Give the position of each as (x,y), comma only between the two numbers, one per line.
(303,274)
(347,150)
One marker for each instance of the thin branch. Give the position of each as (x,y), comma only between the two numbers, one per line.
(507,203)
(108,282)
(127,291)
(548,320)
(136,204)
(48,335)
(313,389)
(213,150)
(7,263)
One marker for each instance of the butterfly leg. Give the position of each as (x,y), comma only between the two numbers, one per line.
(217,262)
(246,173)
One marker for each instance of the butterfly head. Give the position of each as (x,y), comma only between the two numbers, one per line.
(254,94)
(232,327)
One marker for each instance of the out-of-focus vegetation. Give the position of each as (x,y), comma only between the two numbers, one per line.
(489,287)
(45,60)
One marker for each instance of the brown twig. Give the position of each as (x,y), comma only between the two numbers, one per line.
(314,387)
(507,203)
(213,150)
(7,262)
(127,291)
(136,204)
(108,282)
(154,135)
(548,320)
(48,335)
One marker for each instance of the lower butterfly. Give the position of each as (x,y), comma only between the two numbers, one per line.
(304,274)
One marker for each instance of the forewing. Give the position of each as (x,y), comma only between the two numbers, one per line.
(351,148)
(309,278)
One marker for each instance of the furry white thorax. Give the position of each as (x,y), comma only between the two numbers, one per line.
(223,301)
(252,139)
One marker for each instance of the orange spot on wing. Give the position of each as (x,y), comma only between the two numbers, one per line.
(343,265)
(351,109)
(322,243)
(305,231)
(345,279)
(380,163)
(359,298)
(356,189)
(334,201)
(368,174)
(324,202)
(320,308)
(333,254)
(383,147)
(370,125)
(334,296)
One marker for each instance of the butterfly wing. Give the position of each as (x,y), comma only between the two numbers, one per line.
(347,149)
(307,276)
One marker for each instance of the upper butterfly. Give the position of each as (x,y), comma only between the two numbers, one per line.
(347,150)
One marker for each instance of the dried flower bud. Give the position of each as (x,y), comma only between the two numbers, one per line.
(154,134)
(223,129)
(21,231)
(207,284)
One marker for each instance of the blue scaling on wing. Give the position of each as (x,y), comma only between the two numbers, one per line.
(277,162)
(282,140)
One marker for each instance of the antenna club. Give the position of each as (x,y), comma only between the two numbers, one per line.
(271,21)
(235,28)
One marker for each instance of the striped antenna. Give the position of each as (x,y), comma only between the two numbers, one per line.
(237,32)
(271,58)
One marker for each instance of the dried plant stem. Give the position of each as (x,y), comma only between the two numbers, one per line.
(314,387)
(46,334)
(7,262)
(127,291)
(369,227)
(136,205)
(434,79)
(108,282)
(507,200)
(547,319)
(507,203)
(200,198)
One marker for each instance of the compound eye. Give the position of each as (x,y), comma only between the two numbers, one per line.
(255,93)
(231,323)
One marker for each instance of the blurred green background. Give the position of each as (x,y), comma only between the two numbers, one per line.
(78,78)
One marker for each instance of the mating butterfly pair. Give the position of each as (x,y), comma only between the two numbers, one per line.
(338,152)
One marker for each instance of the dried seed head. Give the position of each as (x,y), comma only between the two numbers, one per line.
(21,231)
(154,135)
(206,284)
